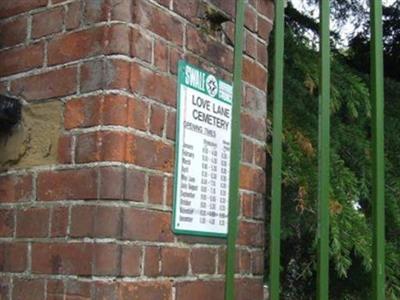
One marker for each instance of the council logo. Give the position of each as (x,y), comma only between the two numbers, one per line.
(212,85)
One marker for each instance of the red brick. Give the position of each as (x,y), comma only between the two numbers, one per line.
(158,290)
(174,261)
(202,260)
(137,114)
(73,15)
(247,151)
(56,83)
(158,21)
(247,205)
(175,56)
(171,125)
(157,120)
(156,189)
(152,258)
(200,290)
(253,126)
(97,11)
(106,259)
(259,207)
(112,183)
(188,9)
(134,185)
(59,258)
(131,260)
(252,179)
(160,87)
(257,262)
(78,290)
(32,289)
(255,101)
(250,18)
(211,50)
(244,261)
(122,11)
(101,146)
(14,7)
(67,184)
(64,150)
(13,257)
(254,74)
(47,22)
(262,54)
(141,46)
(18,60)
(13,32)
(83,112)
(251,45)
(264,28)
(221,268)
(150,153)
(105,290)
(55,290)
(251,234)
(161,55)
(249,289)
(59,221)
(7,223)
(115,110)
(33,222)
(95,221)
(144,225)
(261,156)
(266,8)
(6,287)
(15,188)
(170,191)
(87,43)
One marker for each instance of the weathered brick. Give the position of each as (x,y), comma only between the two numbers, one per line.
(145,225)
(253,126)
(32,289)
(248,289)
(47,22)
(21,59)
(257,262)
(55,290)
(112,180)
(55,83)
(15,188)
(154,85)
(106,259)
(13,257)
(251,45)
(141,46)
(158,21)
(95,221)
(59,221)
(254,74)
(251,233)
(161,55)
(78,290)
(211,50)
(14,7)
(266,8)
(13,32)
(62,258)
(171,125)
(67,184)
(199,290)
(105,290)
(202,260)
(7,223)
(250,18)
(262,54)
(264,28)
(160,290)
(33,222)
(73,15)
(96,11)
(157,120)
(64,150)
(174,261)
(131,260)
(247,151)
(189,9)
(252,179)
(156,189)
(152,257)
(135,185)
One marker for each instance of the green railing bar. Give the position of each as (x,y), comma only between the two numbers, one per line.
(323,155)
(235,153)
(275,238)
(378,185)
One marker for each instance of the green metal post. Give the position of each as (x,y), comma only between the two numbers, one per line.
(275,238)
(235,153)
(323,152)
(378,186)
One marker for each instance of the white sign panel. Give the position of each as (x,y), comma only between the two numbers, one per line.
(201,191)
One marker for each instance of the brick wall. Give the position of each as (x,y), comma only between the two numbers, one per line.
(95,222)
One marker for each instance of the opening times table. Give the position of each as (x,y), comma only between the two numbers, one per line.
(201,203)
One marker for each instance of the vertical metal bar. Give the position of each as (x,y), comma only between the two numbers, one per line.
(275,234)
(323,152)
(235,153)
(378,186)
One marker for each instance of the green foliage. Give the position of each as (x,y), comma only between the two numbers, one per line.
(350,202)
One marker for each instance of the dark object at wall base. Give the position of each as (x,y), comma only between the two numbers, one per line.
(10,113)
